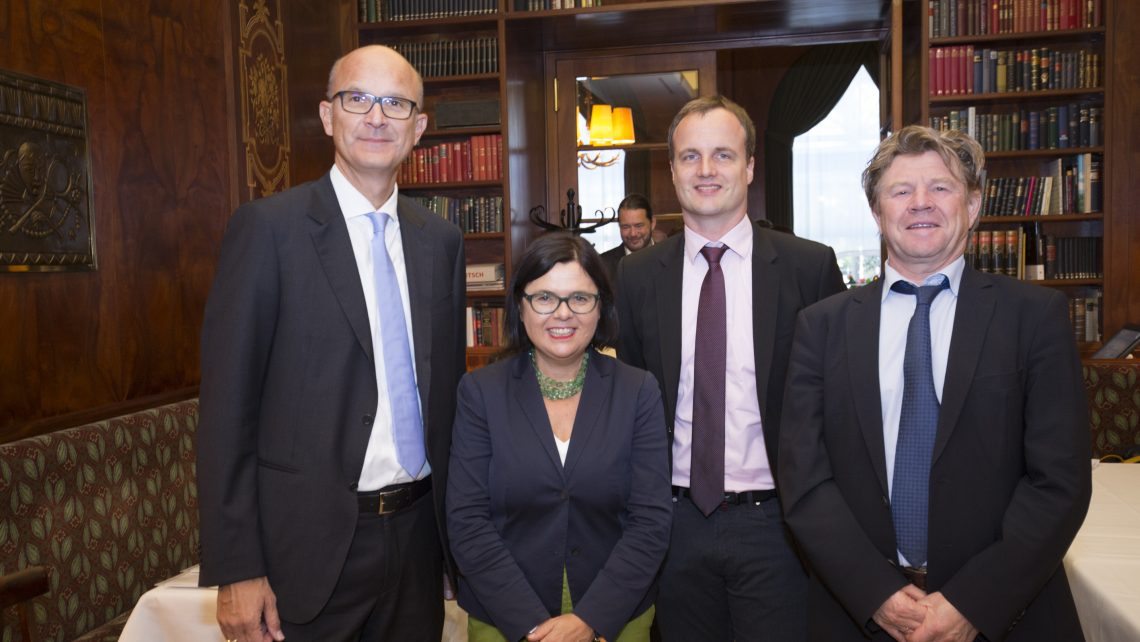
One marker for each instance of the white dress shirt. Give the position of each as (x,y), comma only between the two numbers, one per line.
(381,467)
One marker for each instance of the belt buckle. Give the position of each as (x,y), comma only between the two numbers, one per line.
(388,498)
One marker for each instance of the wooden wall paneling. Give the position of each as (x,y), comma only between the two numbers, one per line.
(155,79)
(261,89)
(316,34)
(1122,161)
(525,140)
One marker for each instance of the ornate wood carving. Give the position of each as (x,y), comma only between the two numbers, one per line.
(264,100)
(45,177)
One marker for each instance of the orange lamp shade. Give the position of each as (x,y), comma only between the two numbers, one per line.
(601,125)
(623,126)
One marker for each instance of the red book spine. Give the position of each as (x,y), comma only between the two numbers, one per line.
(940,71)
(968,65)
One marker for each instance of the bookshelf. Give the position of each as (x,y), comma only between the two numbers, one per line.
(1028,80)
(457,169)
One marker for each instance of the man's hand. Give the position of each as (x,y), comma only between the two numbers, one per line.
(902,612)
(247,611)
(943,622)
(564,628)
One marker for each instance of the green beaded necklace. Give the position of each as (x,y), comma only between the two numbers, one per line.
(555,389)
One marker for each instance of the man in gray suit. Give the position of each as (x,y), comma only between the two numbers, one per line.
(331,351)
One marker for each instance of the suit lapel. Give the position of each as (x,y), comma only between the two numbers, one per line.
(418,254)
(595,396)
(334,250)
(668,289)
(971,318)
(861,333)
(765,295)
(529,399)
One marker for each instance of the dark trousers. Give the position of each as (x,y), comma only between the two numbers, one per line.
(731,576)
(391,587)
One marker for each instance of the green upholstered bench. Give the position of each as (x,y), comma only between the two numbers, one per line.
(109,508)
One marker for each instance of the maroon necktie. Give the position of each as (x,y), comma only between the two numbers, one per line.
(706,479)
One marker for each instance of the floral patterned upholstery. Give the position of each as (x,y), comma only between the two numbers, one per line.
(1114,405)
(109,508)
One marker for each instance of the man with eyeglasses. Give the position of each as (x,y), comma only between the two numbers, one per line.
(332,346)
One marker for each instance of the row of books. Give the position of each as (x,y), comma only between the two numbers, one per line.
(485,326)
(964,69)
(547,5)
(1073,186)
(949,18)
(463,57)
(473,214)
(1056,127)
(1035,256)
(1084,314)
(385,10)
(479,158)
(485,276)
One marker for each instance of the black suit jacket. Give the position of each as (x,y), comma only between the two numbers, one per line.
(288,387)
(610,259)
(517,516)
(1010,478)
(788,274)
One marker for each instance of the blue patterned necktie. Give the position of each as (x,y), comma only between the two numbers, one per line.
(407,425)
(918,424)
(706,478)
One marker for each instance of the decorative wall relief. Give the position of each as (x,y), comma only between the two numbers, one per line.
(264,98)
(46,202)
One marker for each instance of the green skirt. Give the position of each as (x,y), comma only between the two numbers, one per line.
(637,630)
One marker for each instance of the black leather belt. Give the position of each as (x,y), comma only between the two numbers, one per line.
(390,499)
(734,499)
(916,576)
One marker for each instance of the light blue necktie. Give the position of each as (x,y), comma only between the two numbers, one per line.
(407,425)
(918,424)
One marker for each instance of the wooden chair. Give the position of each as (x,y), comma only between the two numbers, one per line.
(19,587)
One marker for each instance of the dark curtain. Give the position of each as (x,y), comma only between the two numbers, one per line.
(804,97)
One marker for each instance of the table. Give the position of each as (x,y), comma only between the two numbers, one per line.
(1103,563)
(176,610)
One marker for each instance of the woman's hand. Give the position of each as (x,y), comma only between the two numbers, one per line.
(564,628)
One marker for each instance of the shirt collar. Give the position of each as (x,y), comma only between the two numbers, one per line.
(354,204)
(738,239)
(953,272)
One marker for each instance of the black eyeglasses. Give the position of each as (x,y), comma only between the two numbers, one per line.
(358,102)
(547,302)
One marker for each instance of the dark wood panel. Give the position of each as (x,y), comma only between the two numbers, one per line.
(1122,162)
(155,79)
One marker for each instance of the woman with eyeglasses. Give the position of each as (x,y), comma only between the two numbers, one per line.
(558,500)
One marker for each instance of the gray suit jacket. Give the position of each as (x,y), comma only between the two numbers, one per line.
(288,387)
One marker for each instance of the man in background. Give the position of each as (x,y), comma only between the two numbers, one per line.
(635,219)
(934,463)
(710,312)
(332,346)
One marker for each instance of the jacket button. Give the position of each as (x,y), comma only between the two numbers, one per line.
(366,420)
(886,501)
(564,495)
(574,551)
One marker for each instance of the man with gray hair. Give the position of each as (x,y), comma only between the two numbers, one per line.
(934,462)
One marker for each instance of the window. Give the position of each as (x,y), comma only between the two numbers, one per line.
(827,166)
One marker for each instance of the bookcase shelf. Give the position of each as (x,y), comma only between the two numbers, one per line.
(1023,117)
(435,187)
(1023,37)
(1018,96)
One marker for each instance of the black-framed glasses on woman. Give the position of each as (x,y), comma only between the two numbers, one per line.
(543,302)
(359,102)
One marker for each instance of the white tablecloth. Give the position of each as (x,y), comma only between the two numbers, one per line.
(1103,563)
(178,611)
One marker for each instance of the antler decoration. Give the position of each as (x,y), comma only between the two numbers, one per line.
(570,219)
